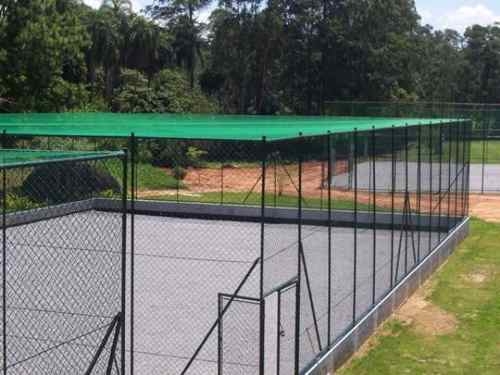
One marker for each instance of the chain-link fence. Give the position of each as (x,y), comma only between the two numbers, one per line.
(258,256)
(485,135)
(63,290)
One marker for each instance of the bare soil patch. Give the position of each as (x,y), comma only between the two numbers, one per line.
(425,317)
(485,207)
(479,276)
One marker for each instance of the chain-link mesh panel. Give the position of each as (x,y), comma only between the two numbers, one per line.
(181,265)
(345,216)
(63,263)
(239,336)
(213,172)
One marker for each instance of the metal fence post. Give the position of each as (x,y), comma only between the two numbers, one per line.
(299,267)
(262,254)
(431,202)
(124,257)
(330,258)
(407,199)
(374,216)
(355,224)
(4,261)
(440,144)
(220,308)
(393,188)
(450,145)
(419,188)
(483,154)
(132,244)
(278,333)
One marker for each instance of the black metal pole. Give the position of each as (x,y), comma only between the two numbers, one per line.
(102,345)
(393,188)
(133,186)
(299,263)
(275,173)
(124,258)
(483,156)
(448,204)
(114,344)
(440,179)
(407,200)
(222,182)
(4,261)
(278,334)
(463,168)
(431,145)
(355,223)
(262,256)
(220,307)
(458,133)
(467,180)
(374,216)
(419,189)
(330,255)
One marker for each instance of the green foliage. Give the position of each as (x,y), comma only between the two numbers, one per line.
(172,86)
(135,95)
(195,155)
(44,44)
(179,173)
(168,92)
(278,57)
(62,183)
(155,178)
(15,203)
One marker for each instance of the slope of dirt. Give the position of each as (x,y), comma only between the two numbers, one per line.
(485,207)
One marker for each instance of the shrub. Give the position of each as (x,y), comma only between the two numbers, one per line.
(57,183)
(194,156)
(179,173)
(17,203)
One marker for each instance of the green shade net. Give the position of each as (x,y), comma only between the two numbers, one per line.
(12,158)
(222,127)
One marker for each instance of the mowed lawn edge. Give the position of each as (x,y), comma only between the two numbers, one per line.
(452,326)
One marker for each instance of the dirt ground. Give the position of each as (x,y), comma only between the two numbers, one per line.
(486,207)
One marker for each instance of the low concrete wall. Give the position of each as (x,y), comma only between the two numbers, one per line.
(341,218)
(49,212)
(345,347)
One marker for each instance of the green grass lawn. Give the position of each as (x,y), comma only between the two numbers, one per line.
(254,199)
(493,152)
(474,347)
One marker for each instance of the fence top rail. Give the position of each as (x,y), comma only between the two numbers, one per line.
(197,127)
(12,158)
(464,104)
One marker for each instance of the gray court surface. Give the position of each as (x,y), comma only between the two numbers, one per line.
(66,288)
(182,265)
(489,177)
(63,291)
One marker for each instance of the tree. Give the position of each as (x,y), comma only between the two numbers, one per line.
(482,54)
(179,16)
(41,40)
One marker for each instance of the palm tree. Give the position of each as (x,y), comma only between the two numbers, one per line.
(145,42)
(118,6)
(180,18)
(107,46)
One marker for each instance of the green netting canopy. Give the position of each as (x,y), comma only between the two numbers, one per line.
(223,127)
(17,157)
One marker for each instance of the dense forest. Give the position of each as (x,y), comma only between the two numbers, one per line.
(250,56)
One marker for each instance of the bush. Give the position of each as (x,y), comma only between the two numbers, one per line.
(17,203)
(57,183)
(168,91)
(179,173)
